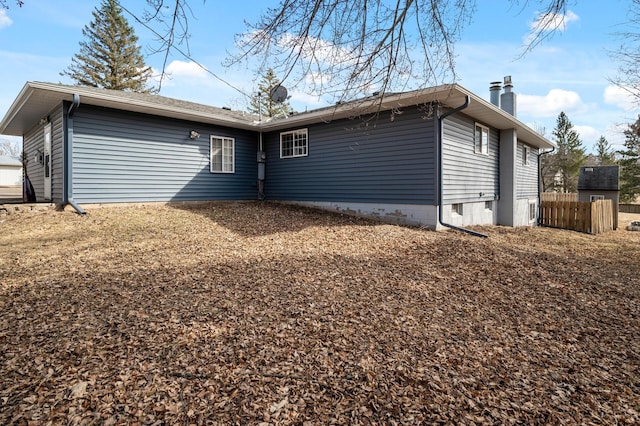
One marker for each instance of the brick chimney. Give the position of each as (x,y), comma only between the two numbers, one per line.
(508,98)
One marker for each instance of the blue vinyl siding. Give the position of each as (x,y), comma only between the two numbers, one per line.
(367,160)
(465,173)
(57,160)
(527,175)
(127,157)
(33,143)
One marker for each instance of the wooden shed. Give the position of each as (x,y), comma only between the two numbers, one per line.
(600,183)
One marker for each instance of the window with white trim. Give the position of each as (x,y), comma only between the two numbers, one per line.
(294,143)
(222,155)
(593,198)
(533,211)
(525,155)
(481,140)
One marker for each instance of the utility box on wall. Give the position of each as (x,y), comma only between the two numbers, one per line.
(600,183)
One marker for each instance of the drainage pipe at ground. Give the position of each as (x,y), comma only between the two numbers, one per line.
(68,152)
(440,186)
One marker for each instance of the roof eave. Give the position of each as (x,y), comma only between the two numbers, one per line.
(11,125)
(450,95)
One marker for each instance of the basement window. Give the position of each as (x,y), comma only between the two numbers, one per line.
(294,143)
(488,205)
(456,209)
(481,141)
(222,153)
(532,211)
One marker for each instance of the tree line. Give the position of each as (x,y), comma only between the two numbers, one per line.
(560,168)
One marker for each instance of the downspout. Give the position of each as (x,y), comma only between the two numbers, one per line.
(540,177)
(68,153)
(441,118)
(261,169)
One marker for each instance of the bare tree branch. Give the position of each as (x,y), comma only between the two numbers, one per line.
(350,47)
(628,55)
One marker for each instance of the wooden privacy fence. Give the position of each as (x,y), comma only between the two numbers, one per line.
(559,196)
(594,217)
(629,208)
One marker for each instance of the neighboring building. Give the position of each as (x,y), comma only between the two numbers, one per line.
(600,183)
(10,171)
(378,156)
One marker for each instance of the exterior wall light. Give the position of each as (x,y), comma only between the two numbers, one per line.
(193,134)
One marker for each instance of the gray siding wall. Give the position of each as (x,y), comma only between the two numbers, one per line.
(365,160)
(127,157)
(527,174)
(466,174)
(33,142)
(57,156)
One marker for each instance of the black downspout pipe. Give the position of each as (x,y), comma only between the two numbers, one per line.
(68,155)
(440,133)
(540,177)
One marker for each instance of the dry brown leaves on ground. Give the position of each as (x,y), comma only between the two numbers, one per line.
(242,313)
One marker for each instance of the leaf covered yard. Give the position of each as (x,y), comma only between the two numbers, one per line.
(248,313)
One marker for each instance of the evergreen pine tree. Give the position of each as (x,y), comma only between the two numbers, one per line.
(262,104)
(570,155)
(110,57)
(604,153)
(630,163)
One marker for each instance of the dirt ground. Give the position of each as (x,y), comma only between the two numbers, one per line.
(247,313)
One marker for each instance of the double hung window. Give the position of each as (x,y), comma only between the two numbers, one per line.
(481,142)
(222,154)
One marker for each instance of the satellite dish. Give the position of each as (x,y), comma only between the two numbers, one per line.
(278,94)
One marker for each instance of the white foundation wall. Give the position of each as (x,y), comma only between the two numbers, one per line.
(522,212)
(426,215)
(472,214)
(402,214)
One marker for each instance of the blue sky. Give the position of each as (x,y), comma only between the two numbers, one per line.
(569,72)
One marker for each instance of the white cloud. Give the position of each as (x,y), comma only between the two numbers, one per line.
(5,21)
(554,102)
(615,135)
(587,134)
(553,22)
(302,99)
(182,69)
(317,50)
(626,98)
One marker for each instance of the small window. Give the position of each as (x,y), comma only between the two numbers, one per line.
(456,209)
(532,211)
(488,205)
(525,155)
(596,197)
(222,154)
(481,145)
(294,144)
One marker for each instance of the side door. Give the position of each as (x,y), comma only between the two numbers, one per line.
(47,161)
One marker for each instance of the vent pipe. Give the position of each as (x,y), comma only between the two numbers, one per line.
(494,90)
(508,98)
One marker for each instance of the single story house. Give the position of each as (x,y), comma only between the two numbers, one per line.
(10,170)
(437,157)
